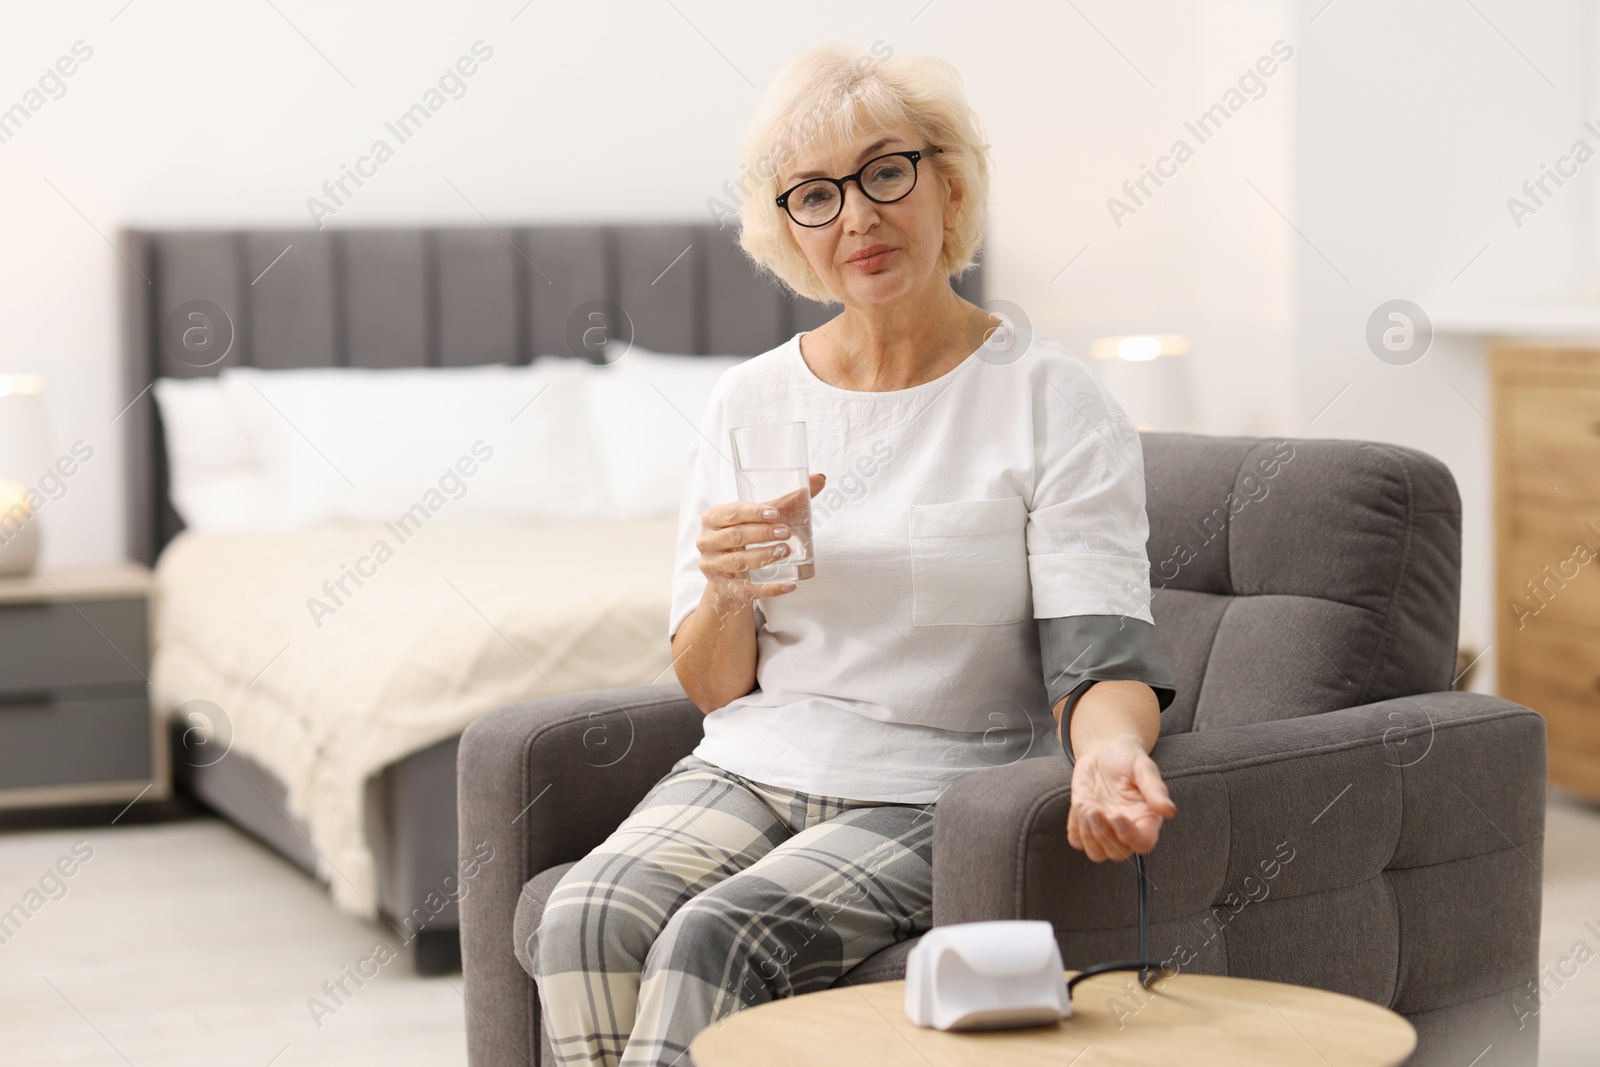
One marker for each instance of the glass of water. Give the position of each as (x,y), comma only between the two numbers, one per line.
(770,467)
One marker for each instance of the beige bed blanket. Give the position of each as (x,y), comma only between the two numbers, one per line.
(336,650)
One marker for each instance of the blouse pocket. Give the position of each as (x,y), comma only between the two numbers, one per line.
(969,563)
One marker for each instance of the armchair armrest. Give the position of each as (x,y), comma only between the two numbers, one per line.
(541,783)
(1389,851)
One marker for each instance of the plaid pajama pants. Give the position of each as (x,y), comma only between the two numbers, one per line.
(716,893)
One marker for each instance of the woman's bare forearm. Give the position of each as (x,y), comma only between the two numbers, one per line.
(714,651)
(1113,711)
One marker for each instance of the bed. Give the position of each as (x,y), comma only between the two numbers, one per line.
(340,752)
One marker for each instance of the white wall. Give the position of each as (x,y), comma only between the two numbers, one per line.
(1390,140)
(1203,256)
(1415,122)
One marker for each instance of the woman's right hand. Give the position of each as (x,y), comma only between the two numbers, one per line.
(725,530)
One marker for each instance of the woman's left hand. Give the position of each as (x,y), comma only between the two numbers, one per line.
(1118,801)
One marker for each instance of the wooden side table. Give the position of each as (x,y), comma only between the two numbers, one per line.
(1192,1020)
(75,720)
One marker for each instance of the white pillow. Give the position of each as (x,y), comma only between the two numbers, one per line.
(214,474)
(463,442)
(643,411)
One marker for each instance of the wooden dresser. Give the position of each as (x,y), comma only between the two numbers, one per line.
(1547,530)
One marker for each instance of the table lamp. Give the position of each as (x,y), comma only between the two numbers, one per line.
(24,455)
(1149,376)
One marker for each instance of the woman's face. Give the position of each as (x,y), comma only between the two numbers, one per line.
(875,253)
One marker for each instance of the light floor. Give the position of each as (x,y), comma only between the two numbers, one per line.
(187,943)
(1569,1019)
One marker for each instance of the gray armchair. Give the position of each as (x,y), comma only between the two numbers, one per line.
(1345,820)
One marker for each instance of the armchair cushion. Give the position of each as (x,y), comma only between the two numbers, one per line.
(1297,577)
(530,909)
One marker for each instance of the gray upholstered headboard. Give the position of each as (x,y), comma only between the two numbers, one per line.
(424,297)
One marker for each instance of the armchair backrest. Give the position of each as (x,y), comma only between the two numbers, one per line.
(1292,577)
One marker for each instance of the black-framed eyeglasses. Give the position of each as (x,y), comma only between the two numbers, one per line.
(882,179)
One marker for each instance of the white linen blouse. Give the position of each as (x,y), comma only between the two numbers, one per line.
(956,514)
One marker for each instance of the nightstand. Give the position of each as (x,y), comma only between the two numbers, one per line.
(75,719)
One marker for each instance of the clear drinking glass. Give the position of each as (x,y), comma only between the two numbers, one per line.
(770,467)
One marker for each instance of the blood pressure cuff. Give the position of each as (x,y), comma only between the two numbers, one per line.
(1080,650)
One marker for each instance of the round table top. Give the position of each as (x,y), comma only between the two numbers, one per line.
(1189,1019)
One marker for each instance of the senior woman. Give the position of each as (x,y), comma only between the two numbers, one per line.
(980,578)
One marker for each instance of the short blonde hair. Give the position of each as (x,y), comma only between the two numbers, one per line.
(827,96)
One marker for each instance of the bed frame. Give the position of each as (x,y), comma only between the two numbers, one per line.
(414,298)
